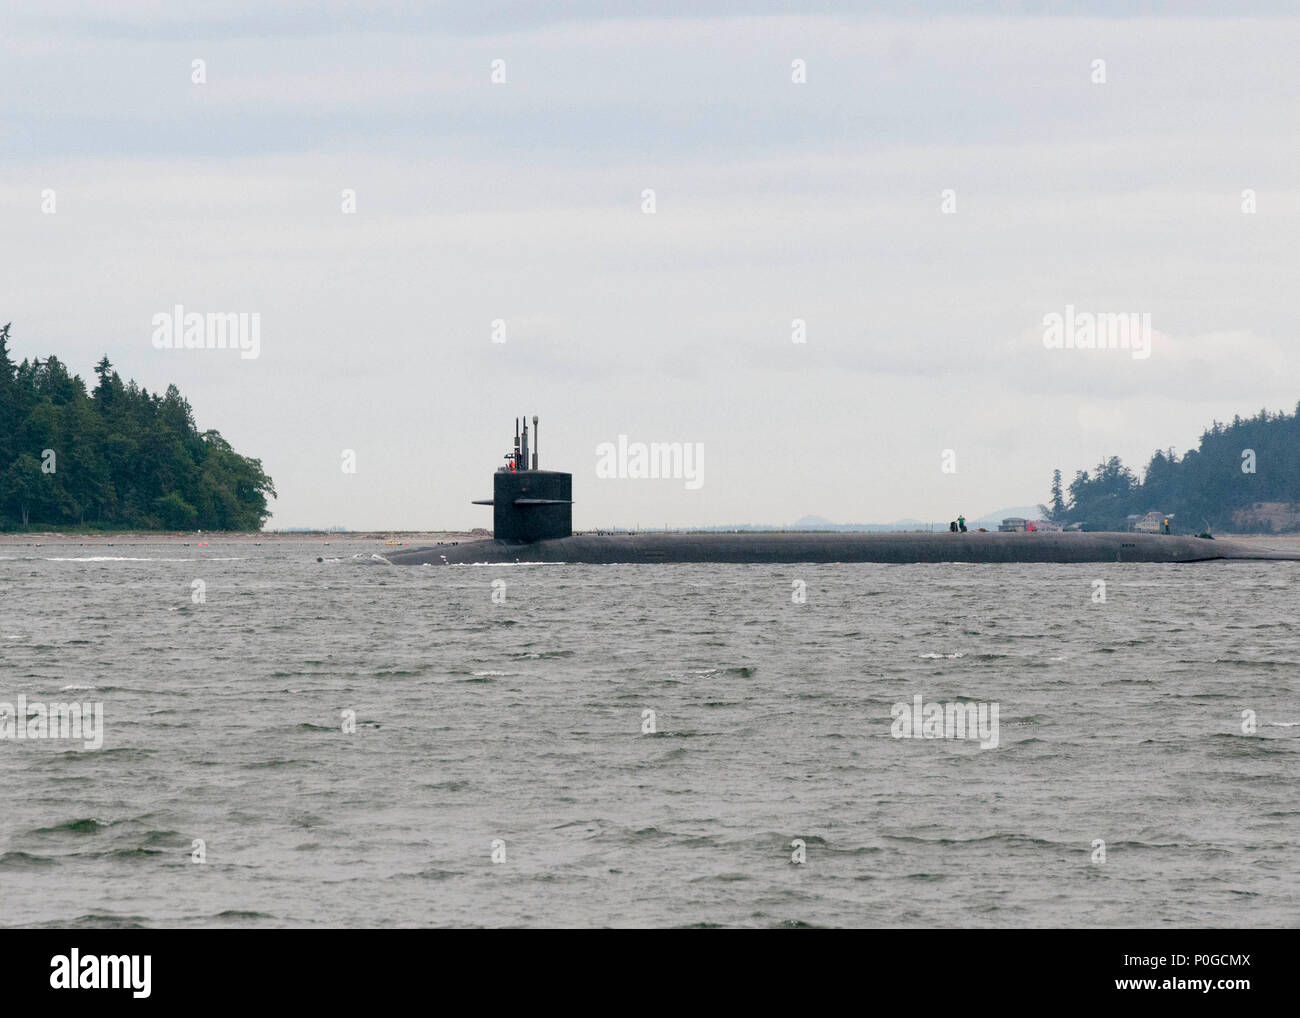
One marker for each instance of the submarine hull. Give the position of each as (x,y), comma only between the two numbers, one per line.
(532,516)
(790,548)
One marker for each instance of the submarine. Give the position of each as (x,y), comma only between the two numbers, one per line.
(532,522)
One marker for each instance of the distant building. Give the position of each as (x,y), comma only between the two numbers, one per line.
(1014,524)
(1152,523)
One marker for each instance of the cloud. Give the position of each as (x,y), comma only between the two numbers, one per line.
(775,202)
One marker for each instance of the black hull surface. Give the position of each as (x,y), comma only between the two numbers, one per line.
(790,548)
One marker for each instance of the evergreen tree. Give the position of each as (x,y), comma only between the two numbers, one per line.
(118,456)
(1216,485)
(1056,508)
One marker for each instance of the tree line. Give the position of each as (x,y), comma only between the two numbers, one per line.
(1235,466)
(115,457)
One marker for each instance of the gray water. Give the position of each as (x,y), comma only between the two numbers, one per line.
(521,723)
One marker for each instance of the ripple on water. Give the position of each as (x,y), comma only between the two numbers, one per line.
(773,723)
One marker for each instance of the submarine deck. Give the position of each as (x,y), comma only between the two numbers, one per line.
(814,547)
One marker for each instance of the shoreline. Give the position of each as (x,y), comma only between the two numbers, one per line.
(388,538)
(230,537)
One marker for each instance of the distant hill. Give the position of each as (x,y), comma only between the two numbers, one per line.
(821,523)
(1026,512)
(812,523)
(987,520)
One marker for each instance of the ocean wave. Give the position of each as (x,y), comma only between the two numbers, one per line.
(82,825)
(24,861)
(131,558)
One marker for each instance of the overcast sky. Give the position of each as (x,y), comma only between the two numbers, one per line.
(774,201)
